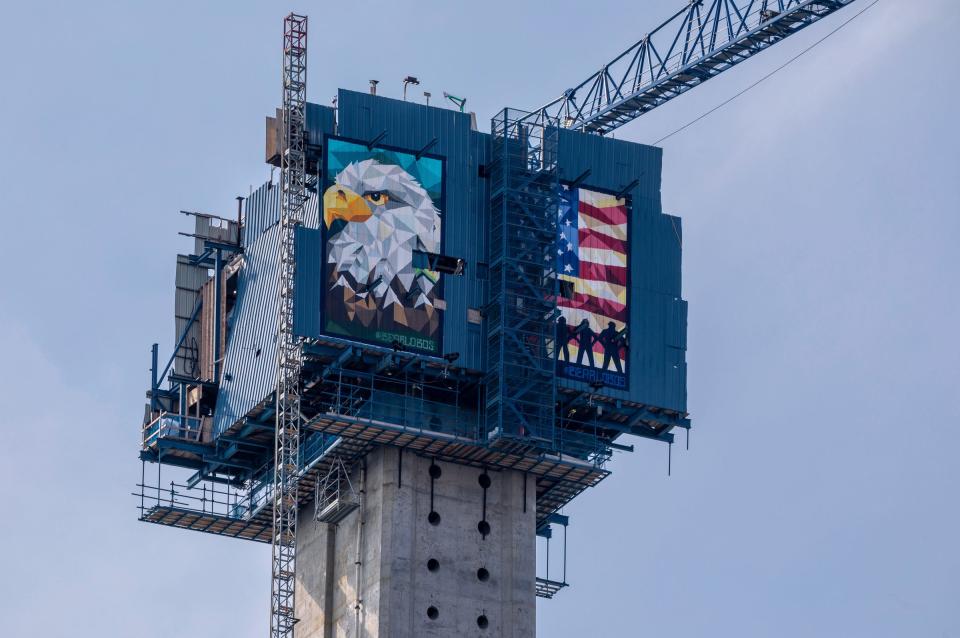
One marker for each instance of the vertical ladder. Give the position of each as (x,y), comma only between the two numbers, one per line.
(524,192)
(289,356)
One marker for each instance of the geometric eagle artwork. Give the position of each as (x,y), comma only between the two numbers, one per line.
(381,208)
(592,248)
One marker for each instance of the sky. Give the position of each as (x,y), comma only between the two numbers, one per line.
(821,214)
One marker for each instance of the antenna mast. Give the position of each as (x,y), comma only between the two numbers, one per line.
(289,356)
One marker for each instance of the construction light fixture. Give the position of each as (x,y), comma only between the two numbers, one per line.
(406,82)
(373,86)
(426,94)
(459,101)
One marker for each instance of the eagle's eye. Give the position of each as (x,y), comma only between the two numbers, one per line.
(377,198)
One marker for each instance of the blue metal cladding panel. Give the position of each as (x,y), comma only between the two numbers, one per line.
(309,294)
(658,313)
(262,210)
(447,133)
(476,224)
(657,321)
(321,120)
(249,367)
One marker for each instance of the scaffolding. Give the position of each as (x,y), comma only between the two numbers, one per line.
(521,384)
(336,497)
(289,354)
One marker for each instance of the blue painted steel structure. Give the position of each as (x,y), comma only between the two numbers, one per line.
(492,399)
(522,309)
(497,402)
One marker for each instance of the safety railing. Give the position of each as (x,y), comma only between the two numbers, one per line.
(426,406)
(172,426)
(206,498)
(241,502)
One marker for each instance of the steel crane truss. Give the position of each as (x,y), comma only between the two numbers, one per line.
(695,44)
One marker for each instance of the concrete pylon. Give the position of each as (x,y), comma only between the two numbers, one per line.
(421,576)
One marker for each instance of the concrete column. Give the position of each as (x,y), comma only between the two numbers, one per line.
(398,591)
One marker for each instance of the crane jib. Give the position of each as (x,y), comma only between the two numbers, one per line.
(697,43)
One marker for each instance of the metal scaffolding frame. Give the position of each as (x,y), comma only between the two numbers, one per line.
(289,353)
(335,494)
(524,192)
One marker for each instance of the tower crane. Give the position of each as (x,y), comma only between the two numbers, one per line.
(695,44)
(698,42)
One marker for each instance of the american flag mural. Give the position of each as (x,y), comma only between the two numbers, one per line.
(592,249)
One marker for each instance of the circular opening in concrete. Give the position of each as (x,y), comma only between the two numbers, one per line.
(483,527)
(435,472)
(482,622)
(432,612)
(433,518)
(483,575)
(484,481)
(433,564)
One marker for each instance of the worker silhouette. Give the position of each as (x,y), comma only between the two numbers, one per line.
(612,341)
(561,344)
(585,339)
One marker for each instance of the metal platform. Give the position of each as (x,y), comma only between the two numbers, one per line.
(559,479)
(547,588)
(246,513)
(255,530)
(243,514)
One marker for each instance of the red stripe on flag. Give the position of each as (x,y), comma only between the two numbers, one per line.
(595,305)
(589,238)
(609,214)
(599,272)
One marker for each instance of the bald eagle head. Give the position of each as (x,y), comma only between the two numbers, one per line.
(377,215)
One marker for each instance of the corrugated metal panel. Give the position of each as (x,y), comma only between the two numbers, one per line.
(613,165)
(320,121)
(263,211)
(213,228)
(250,359)
(207,312)
(249,368)
(189,280)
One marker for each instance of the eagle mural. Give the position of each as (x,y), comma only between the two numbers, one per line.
(377,215)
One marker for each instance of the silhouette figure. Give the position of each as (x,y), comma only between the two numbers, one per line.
(561,346)
(611,340)
(585,339)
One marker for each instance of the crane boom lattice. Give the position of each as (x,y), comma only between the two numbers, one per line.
(697,43)
(289,355)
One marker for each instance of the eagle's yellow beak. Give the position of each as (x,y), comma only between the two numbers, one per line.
(339,202)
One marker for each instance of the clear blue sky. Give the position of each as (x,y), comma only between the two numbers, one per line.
(821,216)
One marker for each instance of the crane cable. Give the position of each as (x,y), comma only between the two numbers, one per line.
(770,74)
